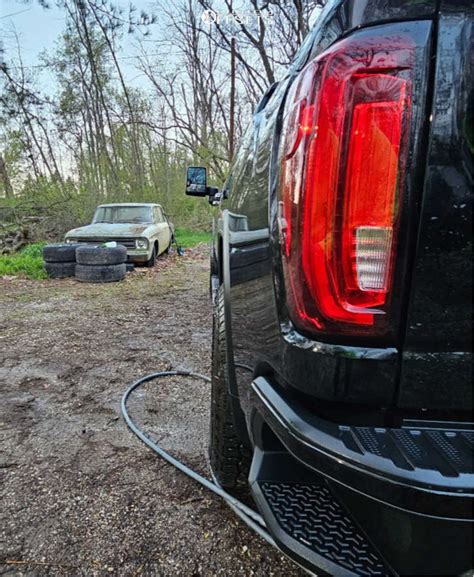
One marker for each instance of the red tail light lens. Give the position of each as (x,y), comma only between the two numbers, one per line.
(343,160)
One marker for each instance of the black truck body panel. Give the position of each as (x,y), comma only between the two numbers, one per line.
(256,277)
(382,425)
(436,370)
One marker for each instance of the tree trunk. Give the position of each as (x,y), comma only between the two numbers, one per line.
(7,185)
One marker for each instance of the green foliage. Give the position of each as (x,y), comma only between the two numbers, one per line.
(188,238)
(28,262)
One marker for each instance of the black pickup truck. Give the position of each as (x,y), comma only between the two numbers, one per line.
(341,278)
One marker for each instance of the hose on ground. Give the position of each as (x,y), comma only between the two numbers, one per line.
(248,515)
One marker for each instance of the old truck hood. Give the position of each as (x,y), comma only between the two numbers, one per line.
(103,229)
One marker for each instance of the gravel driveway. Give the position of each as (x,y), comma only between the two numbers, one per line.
(80,494)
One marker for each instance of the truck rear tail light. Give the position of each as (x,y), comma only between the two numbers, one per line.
(344,150)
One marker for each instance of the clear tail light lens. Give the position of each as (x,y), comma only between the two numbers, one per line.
(344,150)
(373,247)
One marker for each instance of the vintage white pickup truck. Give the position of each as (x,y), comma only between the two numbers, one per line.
(142,228)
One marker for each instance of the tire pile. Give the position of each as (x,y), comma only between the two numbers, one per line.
(95,264)
(101,264)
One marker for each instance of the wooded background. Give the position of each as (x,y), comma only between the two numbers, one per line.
(92,136)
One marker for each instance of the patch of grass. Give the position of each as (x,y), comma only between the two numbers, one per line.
(27,262)
(188,238)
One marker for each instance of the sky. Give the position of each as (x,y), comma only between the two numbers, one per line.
(38,30)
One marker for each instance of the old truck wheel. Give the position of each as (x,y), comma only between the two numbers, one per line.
(152,260)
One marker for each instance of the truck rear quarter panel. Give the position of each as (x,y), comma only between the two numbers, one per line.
(255,280)
(437,358)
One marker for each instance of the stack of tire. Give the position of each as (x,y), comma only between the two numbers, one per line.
(100,263)
(60,260)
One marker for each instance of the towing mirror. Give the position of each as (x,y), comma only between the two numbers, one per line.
(196,181)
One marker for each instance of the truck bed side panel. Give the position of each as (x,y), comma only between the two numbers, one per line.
(437,353)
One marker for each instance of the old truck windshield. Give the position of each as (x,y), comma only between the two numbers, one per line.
(124,214)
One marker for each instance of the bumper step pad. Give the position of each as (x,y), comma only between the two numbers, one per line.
(311,515)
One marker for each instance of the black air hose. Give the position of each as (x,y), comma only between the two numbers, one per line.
(248,515)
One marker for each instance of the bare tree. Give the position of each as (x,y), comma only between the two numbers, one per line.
(268,34)
(193,85)
(19,100)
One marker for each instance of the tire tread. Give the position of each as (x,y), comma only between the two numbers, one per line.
(60,269)
(100,274)
(59,252)
(230,458)
(101,255)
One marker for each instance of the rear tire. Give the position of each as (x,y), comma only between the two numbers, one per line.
(229,457)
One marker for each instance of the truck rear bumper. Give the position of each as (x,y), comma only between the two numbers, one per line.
(361,500)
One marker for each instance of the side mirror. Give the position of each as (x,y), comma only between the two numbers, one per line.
(196,181)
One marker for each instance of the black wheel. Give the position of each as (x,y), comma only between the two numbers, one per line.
(98,273)
(60,269)
(152,260)
(101,255)
(230,458)
(61,252)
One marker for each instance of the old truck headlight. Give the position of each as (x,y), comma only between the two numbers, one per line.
(141,243)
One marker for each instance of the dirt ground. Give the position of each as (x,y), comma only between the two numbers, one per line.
(80,494)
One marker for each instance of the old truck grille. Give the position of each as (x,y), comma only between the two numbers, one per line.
(128,242)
